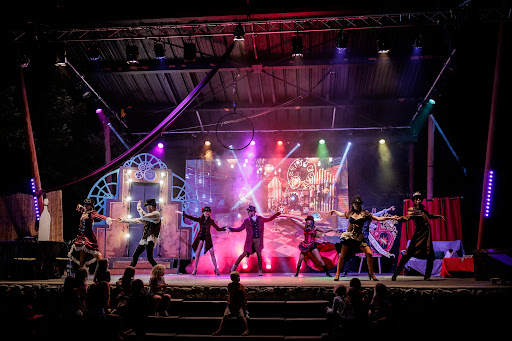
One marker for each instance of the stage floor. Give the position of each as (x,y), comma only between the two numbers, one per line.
(287,280)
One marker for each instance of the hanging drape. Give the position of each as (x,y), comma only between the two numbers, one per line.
(448,230)
(155,133)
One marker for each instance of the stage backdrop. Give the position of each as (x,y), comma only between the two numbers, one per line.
(441,231)
(296,187)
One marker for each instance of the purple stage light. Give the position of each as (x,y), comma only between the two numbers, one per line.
(99,111)
(160,145)
(36,203)
(253,143)
(490,179)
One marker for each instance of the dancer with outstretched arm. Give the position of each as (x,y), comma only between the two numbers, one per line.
(204,237)
(421,245)
(152,220)
(84,250)
(354,239)
(309,245)
(254,225)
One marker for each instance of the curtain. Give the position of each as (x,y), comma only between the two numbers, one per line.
(448,230)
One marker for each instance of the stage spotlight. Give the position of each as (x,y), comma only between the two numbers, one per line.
(132,54)
(432,101)
(61,58)
(160,145)
(418,42)
(382,141)
(239,34)
(99,111)
(279,143)
(322,141)
(207,143)
(268,266)
(382,45)
(127,235)
(93,52)
(297,46)
(341,40)
(244,266)
(159,50)
(253,143)
(189,52)
(23,61)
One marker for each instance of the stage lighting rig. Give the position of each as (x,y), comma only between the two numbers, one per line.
(341,40)
(297,46)
(132,54)
(159,50)
(93,52)
(239,34)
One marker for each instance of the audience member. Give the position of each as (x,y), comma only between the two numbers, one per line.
(137,308)
(340,316)
(380,307)
(236,304)
(102,274)
(123,288)
(161,300)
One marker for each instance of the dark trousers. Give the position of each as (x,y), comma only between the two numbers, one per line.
(405,259)
(149,253)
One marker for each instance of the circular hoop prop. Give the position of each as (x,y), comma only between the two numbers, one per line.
(243,117)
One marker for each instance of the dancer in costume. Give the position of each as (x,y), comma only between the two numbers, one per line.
(255,228)
(309,244)
(421,242)
(204,237)
(354,239)
(152,221)
(84,250)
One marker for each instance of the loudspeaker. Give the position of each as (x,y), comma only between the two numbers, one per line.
(493,263)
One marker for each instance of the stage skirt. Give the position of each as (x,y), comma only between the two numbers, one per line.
(82,243)
(307,247)
(329,256)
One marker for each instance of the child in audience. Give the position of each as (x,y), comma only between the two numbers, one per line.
(236,304)
(157,286)
(102,274)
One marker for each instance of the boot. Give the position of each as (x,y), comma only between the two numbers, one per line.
(326,271)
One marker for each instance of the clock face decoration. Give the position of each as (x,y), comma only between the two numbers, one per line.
(300,174)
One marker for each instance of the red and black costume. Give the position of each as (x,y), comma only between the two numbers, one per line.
(204,231)
(86,239)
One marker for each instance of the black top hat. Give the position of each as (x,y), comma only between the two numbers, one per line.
(89,201)
(151,202)
(357,199)
(251,208)
(310,217)
(417,194)
(206,208)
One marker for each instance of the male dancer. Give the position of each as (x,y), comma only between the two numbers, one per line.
(421,242)
(255,227)
(151,230)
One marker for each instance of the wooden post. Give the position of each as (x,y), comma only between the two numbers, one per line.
(490,134)
(31,147)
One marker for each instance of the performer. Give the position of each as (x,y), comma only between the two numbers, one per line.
(84,250)
(152,221)
(204,237)
(255,228)
(309,243)
(421,242)
(354,238)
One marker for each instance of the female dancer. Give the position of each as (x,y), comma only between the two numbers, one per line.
(421,242)
(204,236)
(84,250)
(354,238)
(309,243)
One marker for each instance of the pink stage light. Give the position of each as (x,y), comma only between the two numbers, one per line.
(99,111)
(253,143)
(279,143)
(245,266)
(268,266)
(160,145)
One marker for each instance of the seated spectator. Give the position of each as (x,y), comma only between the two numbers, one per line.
(102,274)
(123,286)
(340,316)
(236,304)
(161,300)
(137,308)
(380,307)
